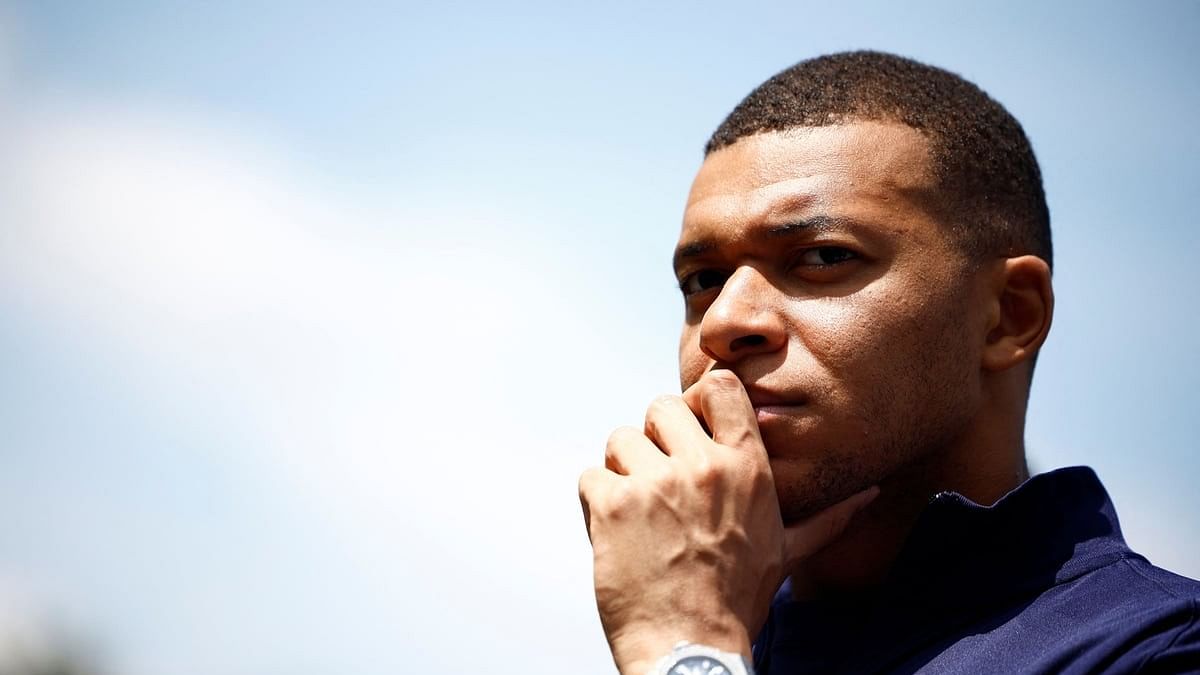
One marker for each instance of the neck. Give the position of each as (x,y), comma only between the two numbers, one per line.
(983,468)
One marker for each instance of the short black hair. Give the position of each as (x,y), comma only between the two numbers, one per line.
(989,184)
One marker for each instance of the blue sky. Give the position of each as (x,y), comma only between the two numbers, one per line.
(311,314)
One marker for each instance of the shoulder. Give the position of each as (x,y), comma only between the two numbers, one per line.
(1128,616)
(1167,583)
(1128,588)
(1124,616)
(1171,622)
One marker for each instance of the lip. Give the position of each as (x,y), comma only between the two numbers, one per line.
(770,415)
(770,405)
(768,400)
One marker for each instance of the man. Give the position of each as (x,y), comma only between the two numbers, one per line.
(865,263)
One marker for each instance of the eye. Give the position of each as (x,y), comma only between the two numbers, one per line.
(698,282)
(826,256)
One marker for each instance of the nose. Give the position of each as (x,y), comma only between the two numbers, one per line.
(745,319)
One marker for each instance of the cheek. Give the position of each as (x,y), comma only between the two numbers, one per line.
(873,339)
(839,332)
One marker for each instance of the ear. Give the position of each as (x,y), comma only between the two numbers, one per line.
(1022,307)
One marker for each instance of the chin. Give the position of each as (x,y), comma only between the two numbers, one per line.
(809,484)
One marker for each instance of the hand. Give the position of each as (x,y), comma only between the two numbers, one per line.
(686,532)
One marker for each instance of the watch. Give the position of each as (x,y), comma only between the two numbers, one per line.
(693,659)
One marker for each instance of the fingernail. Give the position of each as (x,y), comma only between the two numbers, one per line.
(869,495)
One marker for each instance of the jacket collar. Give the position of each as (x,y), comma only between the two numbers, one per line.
(960,562)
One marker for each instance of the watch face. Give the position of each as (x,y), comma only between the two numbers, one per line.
(698,665)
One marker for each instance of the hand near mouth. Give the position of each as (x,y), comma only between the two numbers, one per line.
(687,538)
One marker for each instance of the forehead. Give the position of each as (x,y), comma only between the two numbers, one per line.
(866,167)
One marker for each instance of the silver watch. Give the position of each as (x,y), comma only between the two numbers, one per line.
(692,659)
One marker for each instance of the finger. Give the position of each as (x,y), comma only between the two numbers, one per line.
(629,451)
(674,428)
(721,401)
(592,483)
(818,531)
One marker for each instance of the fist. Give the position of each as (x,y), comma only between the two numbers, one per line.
(687,538)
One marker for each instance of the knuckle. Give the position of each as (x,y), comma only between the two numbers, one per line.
(834,527)
(763,481)
(663,403)
(587,481)
(619,501)
(707,473)
(658,408)
(618,438)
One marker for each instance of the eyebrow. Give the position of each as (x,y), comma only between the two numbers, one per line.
(789,229)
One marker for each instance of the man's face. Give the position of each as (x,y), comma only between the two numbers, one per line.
(813,269)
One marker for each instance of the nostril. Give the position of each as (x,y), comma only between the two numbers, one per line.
(747,341)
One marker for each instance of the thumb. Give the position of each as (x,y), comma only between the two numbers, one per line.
(818,531)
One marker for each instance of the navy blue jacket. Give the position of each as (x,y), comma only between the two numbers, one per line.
(1041,582)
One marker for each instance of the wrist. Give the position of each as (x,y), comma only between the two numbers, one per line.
(638,652)
(700,659)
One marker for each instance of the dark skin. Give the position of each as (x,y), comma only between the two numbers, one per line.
(842,361)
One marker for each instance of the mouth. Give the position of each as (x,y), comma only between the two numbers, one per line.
(769,405)
(769,415)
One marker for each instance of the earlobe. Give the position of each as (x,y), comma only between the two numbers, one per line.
(1021,313)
